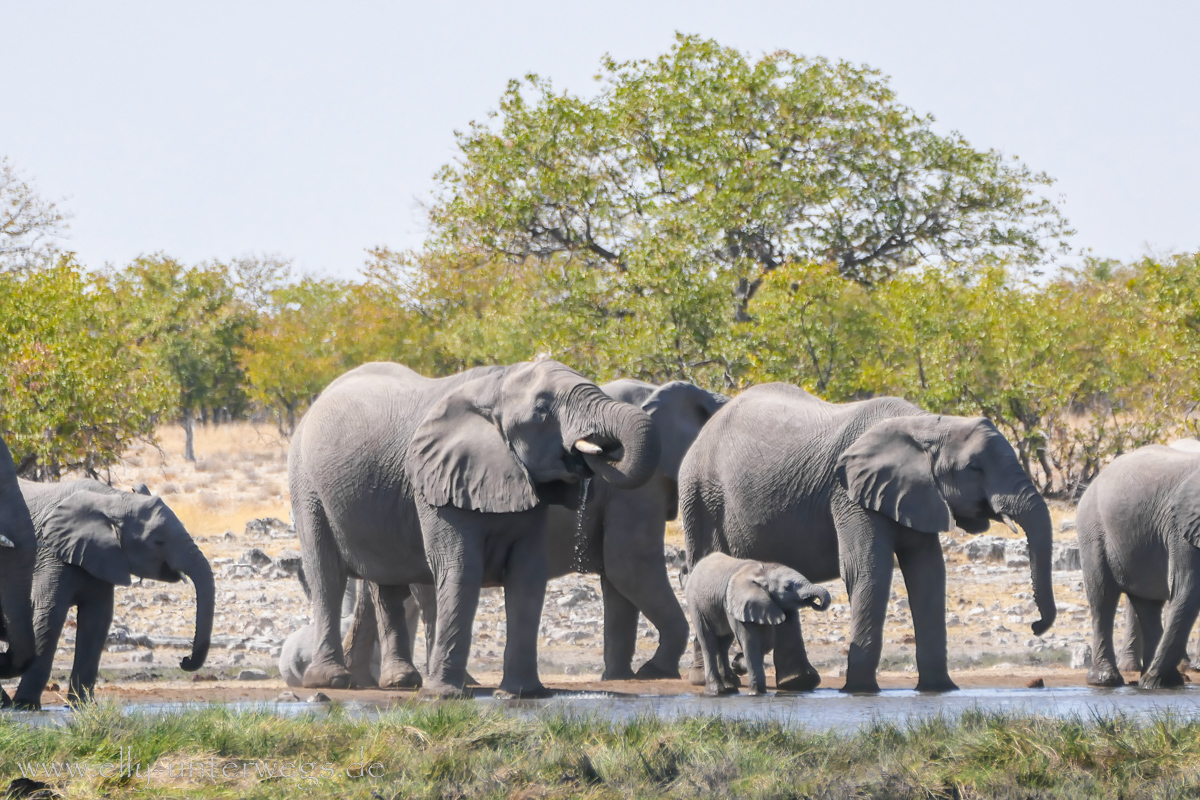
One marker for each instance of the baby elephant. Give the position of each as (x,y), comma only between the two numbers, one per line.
(730,597)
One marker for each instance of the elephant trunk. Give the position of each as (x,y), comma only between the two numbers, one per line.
(195,566)
(1028,510)
(813,596)
(623,447)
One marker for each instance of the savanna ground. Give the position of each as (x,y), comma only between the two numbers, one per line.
(456,750)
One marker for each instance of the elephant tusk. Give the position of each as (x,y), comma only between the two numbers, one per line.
(1012,526)
(6,542)
(588,448)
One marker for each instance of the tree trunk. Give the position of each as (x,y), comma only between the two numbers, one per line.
(189,432)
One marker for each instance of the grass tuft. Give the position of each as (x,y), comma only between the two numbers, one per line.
(458,749)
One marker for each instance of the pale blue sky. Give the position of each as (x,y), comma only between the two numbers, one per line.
(312,130)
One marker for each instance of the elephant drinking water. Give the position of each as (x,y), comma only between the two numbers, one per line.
(397,479)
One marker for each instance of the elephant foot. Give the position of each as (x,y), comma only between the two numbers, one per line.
(940,684)
(861,686)
(618,674)
(719,690)
(1100,675)
(804,682)
(326,676)
(24,704)
(696,676)
(443,691)
(653,672)
(469,680)
(399,676)
(1167,679)
(534,692)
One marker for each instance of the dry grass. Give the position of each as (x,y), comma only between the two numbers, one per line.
(240,474)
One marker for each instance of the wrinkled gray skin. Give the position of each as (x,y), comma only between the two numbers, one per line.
(621,531)
(843,489)
(90,538)
(1129,655)
(731,598)
(620,536)
(1139,535)
(360,641)
(18,552)
(398,479)
(297,649)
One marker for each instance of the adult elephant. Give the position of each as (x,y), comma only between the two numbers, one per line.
(92,537)
(619,536)
(1139,535)
(829,489)
(18,552)
(397,479)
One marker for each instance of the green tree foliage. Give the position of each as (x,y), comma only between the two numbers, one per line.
(75,389)
(312,331)
(735,167)
(192,322)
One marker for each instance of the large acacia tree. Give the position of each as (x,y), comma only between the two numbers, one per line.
(739,166)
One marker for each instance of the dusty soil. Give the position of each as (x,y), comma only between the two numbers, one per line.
(1005,676)
(241,475)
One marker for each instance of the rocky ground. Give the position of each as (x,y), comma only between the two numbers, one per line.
(234,501)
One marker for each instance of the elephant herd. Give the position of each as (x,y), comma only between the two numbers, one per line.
(426,490)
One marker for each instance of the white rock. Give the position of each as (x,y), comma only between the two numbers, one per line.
(1081,656)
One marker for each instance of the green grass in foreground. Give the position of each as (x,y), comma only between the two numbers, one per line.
(456,749)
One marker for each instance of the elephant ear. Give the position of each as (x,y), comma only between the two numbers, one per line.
(84,530)
(679,410)
(1185,508)
(888,470)
(748,600)
(458,457)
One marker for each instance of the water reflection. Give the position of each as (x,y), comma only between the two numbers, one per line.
(824,709)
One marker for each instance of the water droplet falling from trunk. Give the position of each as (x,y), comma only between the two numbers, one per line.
(580,533)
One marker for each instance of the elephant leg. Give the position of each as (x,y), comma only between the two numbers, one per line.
(456,559)
(924,570)
(1103,596)
(620,633)
(359,645)
(412,619)
(53,596)
(713,656)
(94,615)
(751,639)
(1181,610)
(1149,614)
(696,671)
(426,597)
(1129,658)
(793,671)
(867,552)
(633,562)
(396,670)
(525,577)
(327,579)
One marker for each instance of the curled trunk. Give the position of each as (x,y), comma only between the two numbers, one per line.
(629,442)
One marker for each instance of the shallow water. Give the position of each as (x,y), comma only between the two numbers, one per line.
(824,709)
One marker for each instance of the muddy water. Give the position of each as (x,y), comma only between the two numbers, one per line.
(824,709)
